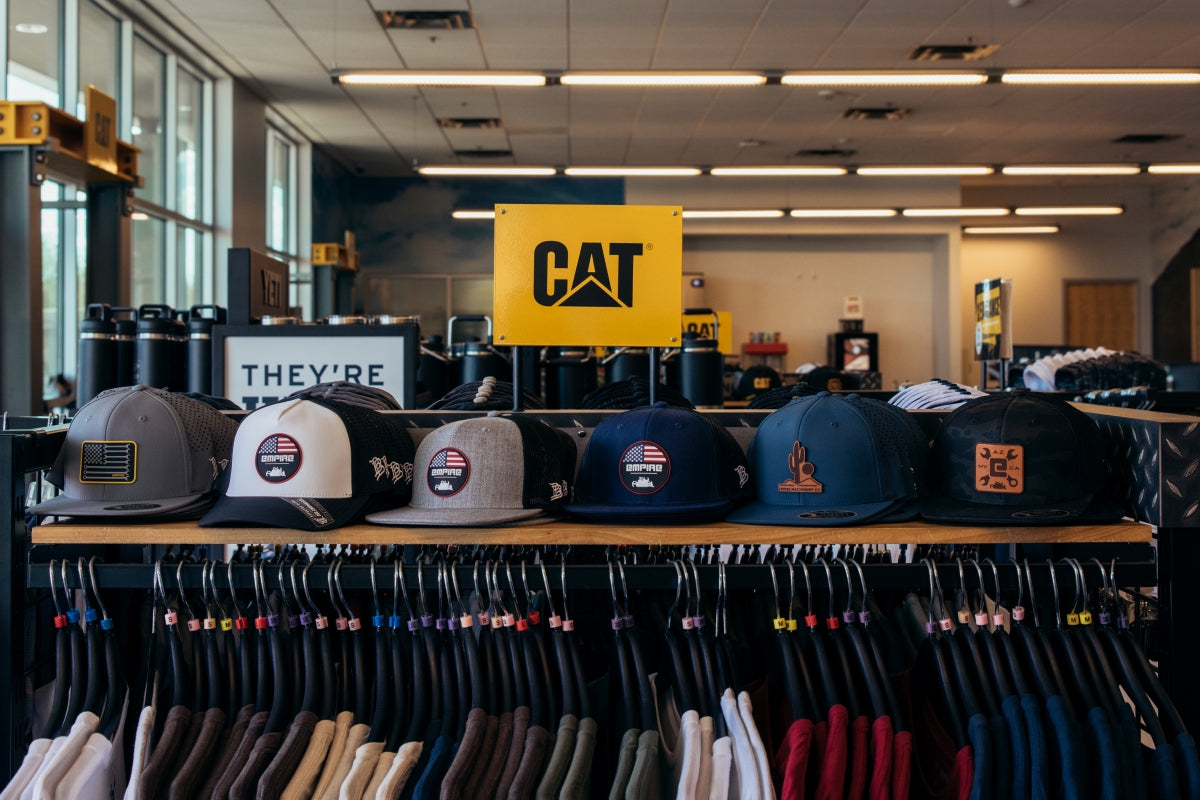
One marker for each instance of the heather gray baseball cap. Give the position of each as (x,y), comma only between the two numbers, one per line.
(502,469)
(140,452)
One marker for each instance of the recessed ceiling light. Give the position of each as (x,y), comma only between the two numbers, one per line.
(924,171)
(1009,230)
(30,27)
(955,212)
(759,172)
(467,213)
(662,78)
(739,213)
(1074,169)
(1063,211)
(609,172)
(839,213)
(488,172)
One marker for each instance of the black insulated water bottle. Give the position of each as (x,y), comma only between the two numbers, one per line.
(155,349)
(97,364)
(126,322)
(199,347)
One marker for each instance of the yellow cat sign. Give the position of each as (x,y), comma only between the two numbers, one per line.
(588,275)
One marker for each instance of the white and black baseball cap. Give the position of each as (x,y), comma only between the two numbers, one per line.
(314,464)
(140,452)
(499,469)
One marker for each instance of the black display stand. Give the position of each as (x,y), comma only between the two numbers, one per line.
(1152,452)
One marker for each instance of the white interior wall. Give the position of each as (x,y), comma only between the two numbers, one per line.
(796,285)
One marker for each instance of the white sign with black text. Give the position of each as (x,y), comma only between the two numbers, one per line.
(261,370)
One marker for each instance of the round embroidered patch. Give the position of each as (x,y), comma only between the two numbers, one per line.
(645,468)
(278,458)
(448,472)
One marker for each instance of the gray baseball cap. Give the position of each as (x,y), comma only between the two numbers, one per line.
(493,470)
(140,452)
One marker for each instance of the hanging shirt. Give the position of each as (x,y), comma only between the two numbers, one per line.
(33,759)
(354,737)
(230,743)
(279,772)
(302,782)
(761,761)
(520,731)
(791,759)
(99,771)
(882,744)
(689,772)
(497,757)
(982,779)
(333,756)
(579,773)
(469,750)
(643,781)
(1163,773)
(745,766)
(538,743)
(1039,773)
(382,767)
(626,756)
(722,761)
(478,768)
(56,763)
(1017,781)
(361,771)
(1104,764)
(402,768)
(188,780)
(902,747)
(439,761)
(858,763)
(560,758)
(1188,761)
(707,736)
(835,756)
(241,755)
(247,781)
(1070,751)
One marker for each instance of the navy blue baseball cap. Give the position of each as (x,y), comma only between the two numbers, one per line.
(829,460)
(1018,458)
(661,464)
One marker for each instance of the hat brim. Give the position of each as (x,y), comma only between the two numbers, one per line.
(1082,509)
(459,517)
(306,514)
(760,513)
(192,506)
(660,514)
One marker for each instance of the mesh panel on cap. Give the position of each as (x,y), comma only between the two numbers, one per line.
(374,434)
(207,430)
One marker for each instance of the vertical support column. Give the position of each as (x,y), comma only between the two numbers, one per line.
(21,267)
(1178,610)
(12,593)
(109,235)
(344,291)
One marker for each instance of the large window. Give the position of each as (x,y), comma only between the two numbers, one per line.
(99,53)
(34,27)
(283,227)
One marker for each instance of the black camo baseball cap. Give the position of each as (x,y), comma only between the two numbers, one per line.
(1019,458)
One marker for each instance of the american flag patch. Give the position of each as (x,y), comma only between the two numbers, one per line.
(108,462)
(448,457)
(644,453)
(279,445)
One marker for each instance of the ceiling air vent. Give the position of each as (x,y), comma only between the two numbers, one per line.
(1147,138)
(875,113)
(427,20)
(827,152)
(483,153)
(952,52)
(470,123)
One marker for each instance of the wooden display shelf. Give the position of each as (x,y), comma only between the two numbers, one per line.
(562,533)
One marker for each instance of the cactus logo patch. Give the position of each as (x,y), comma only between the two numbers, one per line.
(645,468)
(802,470)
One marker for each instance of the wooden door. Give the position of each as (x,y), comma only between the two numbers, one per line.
(1101,313)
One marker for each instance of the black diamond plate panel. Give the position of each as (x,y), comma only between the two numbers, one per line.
(1180,474)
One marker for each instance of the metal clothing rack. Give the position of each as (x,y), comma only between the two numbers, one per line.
(1154,456)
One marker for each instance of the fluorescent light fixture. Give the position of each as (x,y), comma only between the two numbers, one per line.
(1074,169)
(955,212)
(924,171)
(767,172)
(139,216)
(1009,230)
(740,213)
(404,77)
(1068,211)
(1174,169)
(488,172)
(609,172)
(915,78)
(30,27)
(1100,77)
(467,213)
(842,213)
(661,78)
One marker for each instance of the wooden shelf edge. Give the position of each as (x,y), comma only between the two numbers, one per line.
(592,534)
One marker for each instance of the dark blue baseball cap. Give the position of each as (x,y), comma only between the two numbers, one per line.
(661,464)
(829,460)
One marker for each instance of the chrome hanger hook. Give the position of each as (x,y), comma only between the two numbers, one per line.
(774,589)
(1054,589)
(546,585)
(1037,620)
(96,587)
(54,591)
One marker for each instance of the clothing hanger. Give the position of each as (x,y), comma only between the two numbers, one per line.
(562,656)
(787,654)
(534,635)
(62,665)
(965,648)
(114,700)
(360,690)
(943,670)
(685,691)
(641,672)
(247,672)
(863,657)
(292,635)
(524,652)
(707,644)
(422,687)
(1047,681)
(325,672)
(823,690)
(876,654)
(568,628)
(707,698)
(178,667)
(383,661)
(629,681)
(839,649)
(214,672)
